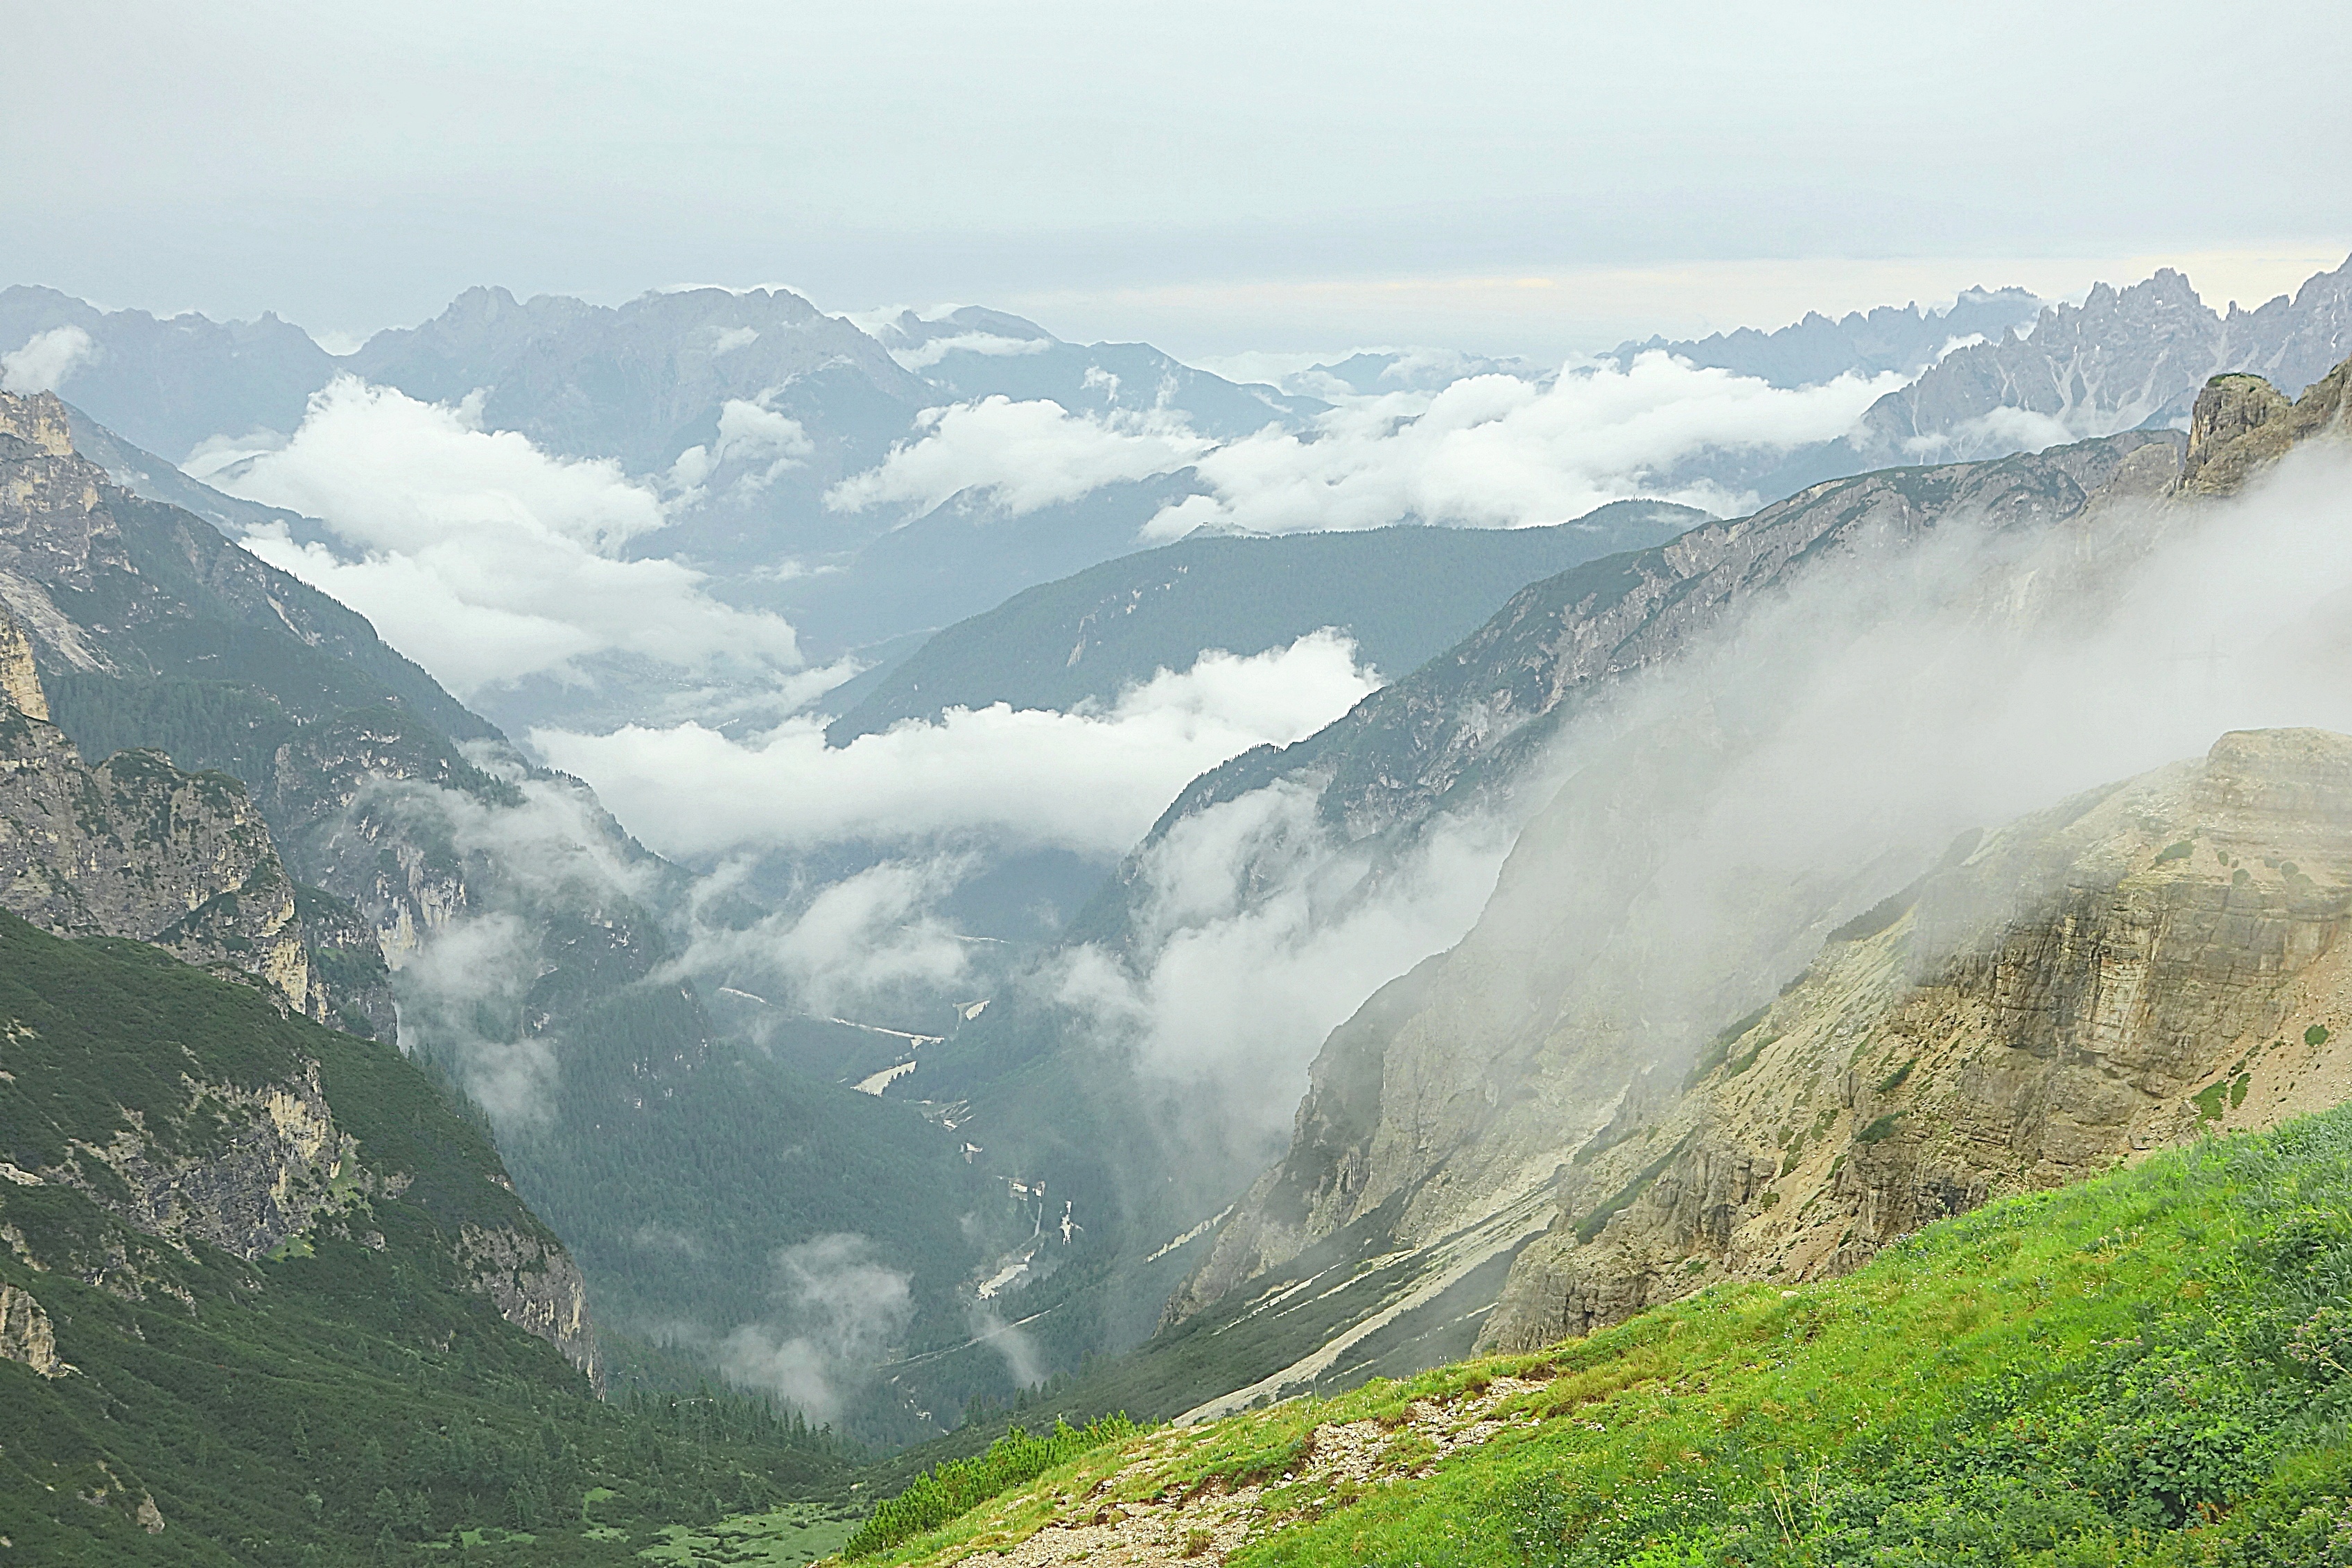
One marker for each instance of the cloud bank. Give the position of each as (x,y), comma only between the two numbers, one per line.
(482,557)
(838,1308)
(1499,451)
(44,361)
(1023,456)
(1486,450)
(1089,781)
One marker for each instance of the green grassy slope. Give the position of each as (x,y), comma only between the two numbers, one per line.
(2155,1367)
(343,1401)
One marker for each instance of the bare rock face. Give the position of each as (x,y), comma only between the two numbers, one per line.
(535,1286)
(2165,958)
(135,847)
(27,1335)
(2242,424)
(20,682)
(274,1163)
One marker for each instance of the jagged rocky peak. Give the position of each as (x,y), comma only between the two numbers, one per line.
(38,422)
(2128,970)
(2242,424)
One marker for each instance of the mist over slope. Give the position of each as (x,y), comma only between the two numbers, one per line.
(1796,770)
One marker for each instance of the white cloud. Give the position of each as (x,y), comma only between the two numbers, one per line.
(1491,450)
(838,1309)
(1089,781)
(480,556)
(1501,452)
(45,361)
(872,937)
(1992,434)
(1259,935)
(928,353)
(1024,454)
(750,432)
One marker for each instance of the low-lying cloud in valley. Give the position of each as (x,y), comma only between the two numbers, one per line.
(837,1309)
(1091,781)
(1499,451)
(1488,450)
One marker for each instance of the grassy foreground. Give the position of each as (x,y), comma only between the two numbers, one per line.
(2149,1368)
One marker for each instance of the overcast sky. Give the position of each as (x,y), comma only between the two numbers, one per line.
(1213,176)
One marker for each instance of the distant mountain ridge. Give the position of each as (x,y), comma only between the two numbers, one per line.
(1813,350)
(1403,594)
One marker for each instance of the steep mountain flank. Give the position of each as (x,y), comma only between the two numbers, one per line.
(153,629)
(1454,734)
(266,1298)
(2125,971)
(531,943)
(1522,1096)
(135,847)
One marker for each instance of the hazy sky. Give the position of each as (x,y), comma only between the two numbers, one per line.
(1215,177)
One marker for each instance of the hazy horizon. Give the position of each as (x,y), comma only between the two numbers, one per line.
(1497,180)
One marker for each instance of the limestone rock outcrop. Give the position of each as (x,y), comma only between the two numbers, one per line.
(136,848)
(26,1334)
(2127,971)
(2242,424)
(535,1286)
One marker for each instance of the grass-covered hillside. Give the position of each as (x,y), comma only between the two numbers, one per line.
(243,1315)
(2153,1367)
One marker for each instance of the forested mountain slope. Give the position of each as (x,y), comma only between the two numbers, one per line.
(532,943)
(268,1300)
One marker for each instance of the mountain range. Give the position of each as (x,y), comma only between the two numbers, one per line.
(1703,903)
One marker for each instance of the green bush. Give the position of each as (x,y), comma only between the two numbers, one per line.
(955,1489)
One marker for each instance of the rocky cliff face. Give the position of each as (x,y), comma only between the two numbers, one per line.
(2163,959)
(535,1286)
(135,847)
(2241,424)
(151,630)
(27,1335)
